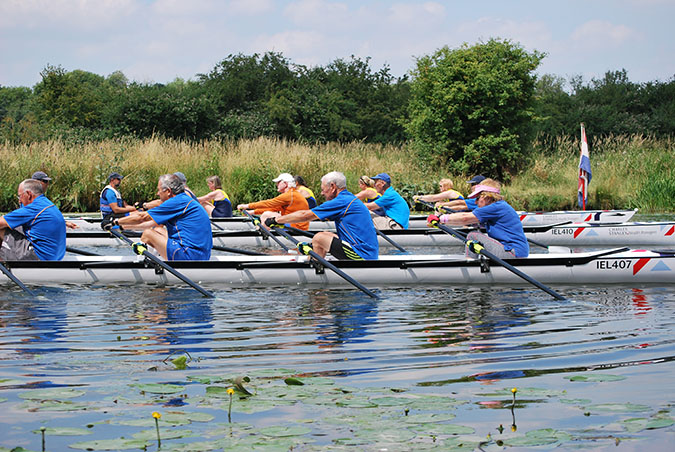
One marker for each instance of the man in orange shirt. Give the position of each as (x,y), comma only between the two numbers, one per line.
(289,201)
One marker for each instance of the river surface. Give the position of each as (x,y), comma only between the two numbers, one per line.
(417,369)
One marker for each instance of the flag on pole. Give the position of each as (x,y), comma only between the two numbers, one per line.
(584,170)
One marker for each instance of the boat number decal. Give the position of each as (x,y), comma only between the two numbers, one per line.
(671,231)
(640,263)
(567,231)
(613,264)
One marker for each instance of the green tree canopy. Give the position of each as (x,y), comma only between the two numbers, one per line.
(471,107)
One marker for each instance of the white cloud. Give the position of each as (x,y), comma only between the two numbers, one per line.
(412,15)
(317,13)
(601,33)
(251,7)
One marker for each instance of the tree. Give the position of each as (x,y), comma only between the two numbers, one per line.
(471,107)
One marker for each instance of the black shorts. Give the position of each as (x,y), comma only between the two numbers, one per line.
(343,250)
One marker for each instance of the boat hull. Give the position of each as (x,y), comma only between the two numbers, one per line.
(660,234)
(606,267)
(417,221)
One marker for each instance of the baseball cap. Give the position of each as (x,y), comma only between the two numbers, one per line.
(382,176)
(476,179)
(41,175)
(180,176)
(286,177)
(115,175)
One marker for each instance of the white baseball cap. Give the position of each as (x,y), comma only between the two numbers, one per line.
(286,177)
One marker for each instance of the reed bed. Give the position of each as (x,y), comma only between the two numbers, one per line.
(633,171)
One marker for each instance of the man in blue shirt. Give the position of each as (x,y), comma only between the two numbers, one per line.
(396,210)
(111,203)
(36,230)
(356,238)
(188,229)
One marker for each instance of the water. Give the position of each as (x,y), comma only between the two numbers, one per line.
(398,373)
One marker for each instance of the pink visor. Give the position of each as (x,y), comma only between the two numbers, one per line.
(478,189)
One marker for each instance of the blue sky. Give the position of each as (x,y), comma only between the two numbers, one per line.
(159,40)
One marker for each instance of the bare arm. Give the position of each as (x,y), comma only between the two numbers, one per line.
(443,196)
(137,220)
(460,219)
(297,217)
(372,206)
(363,194)
(3,223)
(117,209)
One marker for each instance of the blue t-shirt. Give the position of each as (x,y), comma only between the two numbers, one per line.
(471,203)
(353,223)
(186,222)
(394,207)
(503,224)
(43,226)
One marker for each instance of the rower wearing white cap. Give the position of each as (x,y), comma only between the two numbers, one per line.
(505,236)
(289,201)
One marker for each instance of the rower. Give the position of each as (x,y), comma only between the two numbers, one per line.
(368,192)
(505,237)
(396,211)
(447,193)
(355,239)
(188,230)
(216,203)
(305,191)
(45,181)
(34,231)
(112,204)
(462,204)
(155,202)
(288,201)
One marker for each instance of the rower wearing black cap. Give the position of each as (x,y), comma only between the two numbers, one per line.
(112,204)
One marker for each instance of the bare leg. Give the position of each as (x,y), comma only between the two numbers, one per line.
(156,238)
(321,242)
(208,207)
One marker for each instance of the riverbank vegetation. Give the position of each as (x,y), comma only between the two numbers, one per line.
(628,171)
(474,109)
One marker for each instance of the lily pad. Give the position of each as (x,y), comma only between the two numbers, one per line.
(444,429)
(530,441)
(111,444)
(51,394)
(57,405)
(196,447)
(2,399)
(281,431)
(159,388)
(151,434)
(595,377)
(428,418)
(64,431)
(639,424)
(576,401)
(355,402)
(549,433)
(391,401)
(618,407)
(205,379)
(272,373)
(524,392)
(10,382)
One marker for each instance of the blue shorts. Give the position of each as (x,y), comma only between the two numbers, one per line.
(176,252)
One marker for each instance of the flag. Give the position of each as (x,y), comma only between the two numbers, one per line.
(584,170)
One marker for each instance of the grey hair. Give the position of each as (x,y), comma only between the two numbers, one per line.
(32,185)
(335,177)
(172,182)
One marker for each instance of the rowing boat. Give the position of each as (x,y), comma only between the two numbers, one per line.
(661,234)
(617,266)
(417,221)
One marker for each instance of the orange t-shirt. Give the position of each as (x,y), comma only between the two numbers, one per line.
(286,203)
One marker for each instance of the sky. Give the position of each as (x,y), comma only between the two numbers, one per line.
(157,41)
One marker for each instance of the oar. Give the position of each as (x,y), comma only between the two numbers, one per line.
(265,233)
(501,262)
(388,239)
(325,263)
(16,280)
(215,224)
(237,250)
(79,251)
(433,207)
(164,265)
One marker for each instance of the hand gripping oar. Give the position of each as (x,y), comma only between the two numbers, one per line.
(16,280)
(265,233)
(327,264)
(433,207)
(486,253)
(148,255)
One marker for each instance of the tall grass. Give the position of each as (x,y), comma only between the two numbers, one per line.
(628,172)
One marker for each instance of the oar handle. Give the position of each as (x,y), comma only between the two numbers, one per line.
(501,262)
(325,263)
(433,207)
(148,255)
